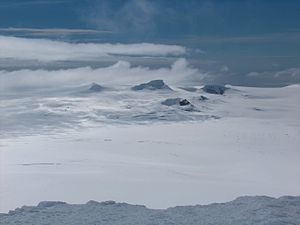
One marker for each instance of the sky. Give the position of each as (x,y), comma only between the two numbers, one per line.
(240,42)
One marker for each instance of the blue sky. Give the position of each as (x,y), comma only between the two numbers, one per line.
(162,17)
(260,36)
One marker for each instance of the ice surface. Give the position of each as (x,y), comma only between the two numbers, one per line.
(258,210)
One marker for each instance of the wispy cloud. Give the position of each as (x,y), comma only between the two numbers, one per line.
(28,3)
(291,73)
(289,37)
(50,31)
(273,78)
(129,16)
(47,50)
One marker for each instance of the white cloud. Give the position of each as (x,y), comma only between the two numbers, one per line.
(253,74)
(292,72)
(47,50)
(120,73)
(180,65)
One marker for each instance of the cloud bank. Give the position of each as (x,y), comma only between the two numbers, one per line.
(291,73)
(48,50)
(120,73)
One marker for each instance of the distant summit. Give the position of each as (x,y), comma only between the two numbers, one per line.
(95,88)
(152,85)
(214,89)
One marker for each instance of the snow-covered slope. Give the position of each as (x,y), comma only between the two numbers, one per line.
(258,210)
(126,145)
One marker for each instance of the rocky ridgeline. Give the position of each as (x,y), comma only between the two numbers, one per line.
(259,210)
(152,85)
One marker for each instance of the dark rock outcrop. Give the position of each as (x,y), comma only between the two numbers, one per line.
(203,98)
(214,89)
(184,102)
(152,85)
(175,101)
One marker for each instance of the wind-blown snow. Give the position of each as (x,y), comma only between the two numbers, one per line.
(258,210)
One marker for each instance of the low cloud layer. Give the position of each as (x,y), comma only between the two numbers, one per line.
(120,73)
(290,73)
(47,50)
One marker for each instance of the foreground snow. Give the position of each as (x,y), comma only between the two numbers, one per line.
(244,210)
